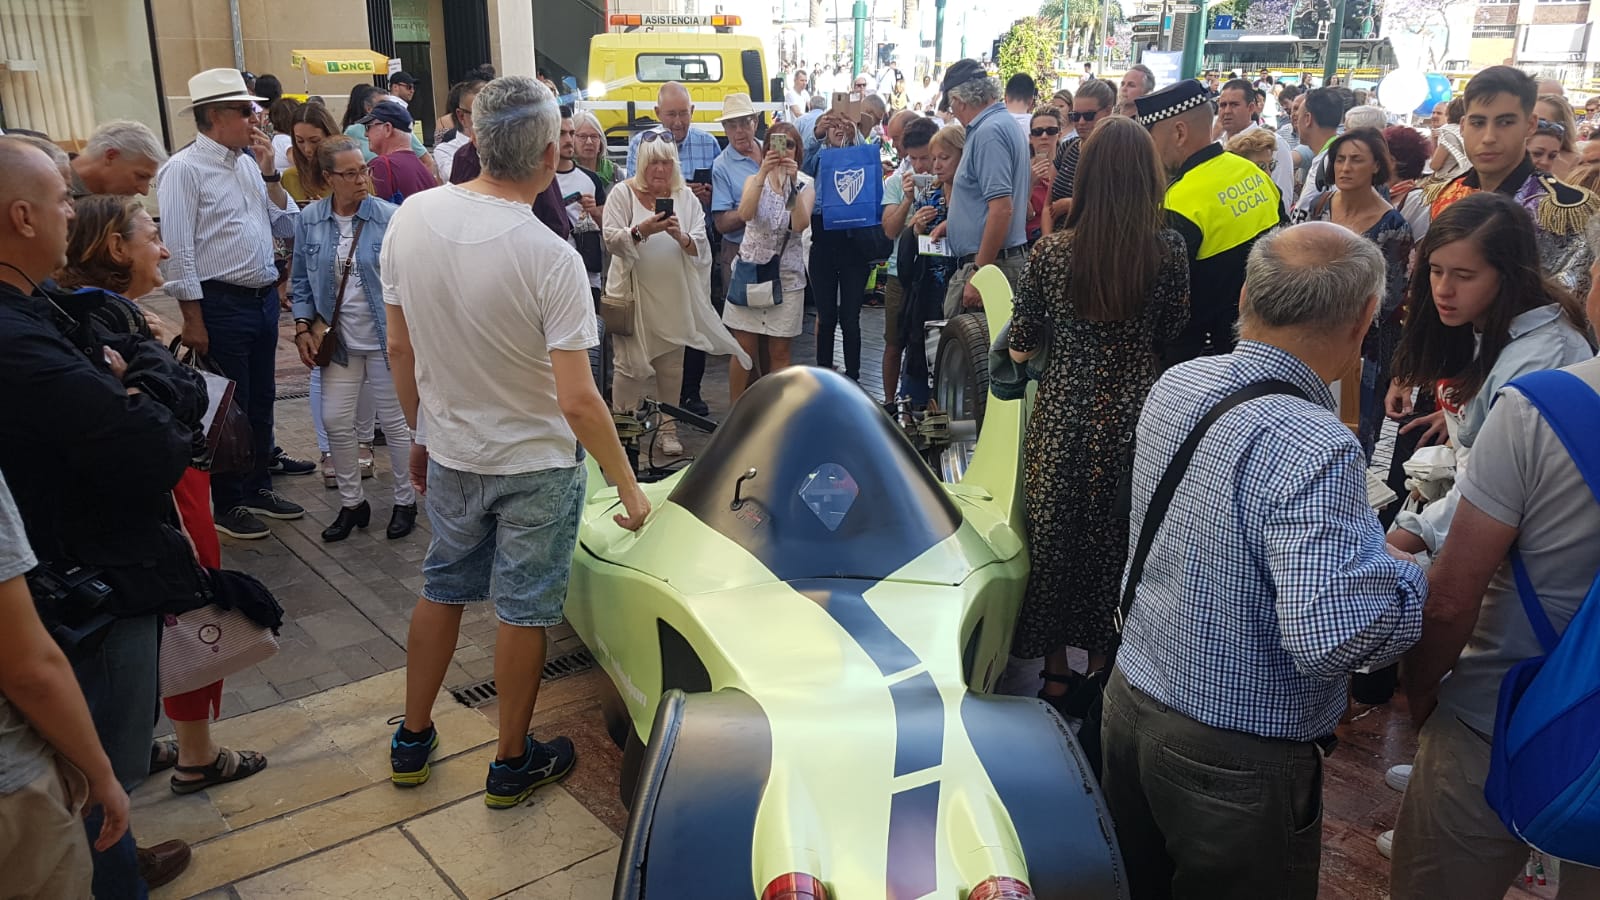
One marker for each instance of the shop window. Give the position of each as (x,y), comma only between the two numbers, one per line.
(68,65)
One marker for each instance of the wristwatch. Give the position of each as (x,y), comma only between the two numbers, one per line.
(636,234)
(274,178)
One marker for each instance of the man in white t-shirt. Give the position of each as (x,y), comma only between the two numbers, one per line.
(584,196)
(797,98)
(490,324)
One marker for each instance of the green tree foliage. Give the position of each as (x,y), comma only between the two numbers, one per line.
(1084,18)
(1030,46)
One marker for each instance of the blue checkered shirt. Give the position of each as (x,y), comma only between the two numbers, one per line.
(1268,582)
(698,151)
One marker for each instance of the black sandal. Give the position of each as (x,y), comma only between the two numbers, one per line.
(230,765)
(163,756)
(1064,701)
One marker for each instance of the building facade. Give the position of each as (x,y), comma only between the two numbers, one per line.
(66,65)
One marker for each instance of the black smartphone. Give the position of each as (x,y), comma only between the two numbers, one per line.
(663,206)
(701,176)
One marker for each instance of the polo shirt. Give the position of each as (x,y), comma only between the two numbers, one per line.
(728,175)
(994,165)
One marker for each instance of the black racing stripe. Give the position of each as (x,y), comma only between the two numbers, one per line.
(1041,777)
(850,610)
(918,724)
(703,820)
(913,839)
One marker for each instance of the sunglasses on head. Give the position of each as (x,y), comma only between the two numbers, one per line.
(656,136)
(1051,130)
(1084,117)
(1557,127)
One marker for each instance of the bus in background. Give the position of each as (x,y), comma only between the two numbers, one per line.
(1296,60)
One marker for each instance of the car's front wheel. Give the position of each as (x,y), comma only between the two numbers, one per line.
(961,389)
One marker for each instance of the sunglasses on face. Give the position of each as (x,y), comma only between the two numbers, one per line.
(1051,130)
(1084,117)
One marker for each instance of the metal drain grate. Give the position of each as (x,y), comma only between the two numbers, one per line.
(482,692)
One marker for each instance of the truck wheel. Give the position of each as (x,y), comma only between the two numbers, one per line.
(961,388)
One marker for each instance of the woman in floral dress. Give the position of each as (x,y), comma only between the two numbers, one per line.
(1108,289)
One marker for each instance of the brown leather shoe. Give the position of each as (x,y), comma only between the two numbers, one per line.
(163,862)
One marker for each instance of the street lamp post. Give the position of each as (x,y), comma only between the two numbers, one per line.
(1194,39)
(1330,65)
(938,32)
(859,12)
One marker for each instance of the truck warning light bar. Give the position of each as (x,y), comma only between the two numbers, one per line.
(662,20)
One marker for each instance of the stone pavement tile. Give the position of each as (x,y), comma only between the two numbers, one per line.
(595,781)
(338,628)
(590,879)
(258,696)
(382,805)
(160,815)
(384,864)
(487,852)
(354,719)
(237,855)
(296,659)
(386,652)
(356,662)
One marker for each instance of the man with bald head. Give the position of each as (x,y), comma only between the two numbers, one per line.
(1551,86)
(95,430)
(1220,202)
(1253,596)
(697,149)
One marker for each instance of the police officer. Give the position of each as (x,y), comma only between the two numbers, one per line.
(1219,202)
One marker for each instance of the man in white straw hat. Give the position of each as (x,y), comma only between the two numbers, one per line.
(221,206)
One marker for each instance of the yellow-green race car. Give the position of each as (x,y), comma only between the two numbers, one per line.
(803,640)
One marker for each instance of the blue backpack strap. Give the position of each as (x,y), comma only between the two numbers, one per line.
(1572,410)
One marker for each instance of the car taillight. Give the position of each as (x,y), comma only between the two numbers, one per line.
(1001,888)
(796,886)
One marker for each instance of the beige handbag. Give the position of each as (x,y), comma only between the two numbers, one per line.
(208,644)
(616,310)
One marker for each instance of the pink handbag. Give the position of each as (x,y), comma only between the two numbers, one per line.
(208,644)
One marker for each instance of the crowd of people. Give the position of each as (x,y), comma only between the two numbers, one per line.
(1190,279)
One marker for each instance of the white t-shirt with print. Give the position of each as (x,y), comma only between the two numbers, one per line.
(357,330)
(488,291)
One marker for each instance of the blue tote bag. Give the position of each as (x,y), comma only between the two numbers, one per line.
(850,187)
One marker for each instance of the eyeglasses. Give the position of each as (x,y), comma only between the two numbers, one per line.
(354,174)
(1084,117)
(1051,130)
(245,111)
(463,111)
(588,137)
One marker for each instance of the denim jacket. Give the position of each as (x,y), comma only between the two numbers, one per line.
(313,276)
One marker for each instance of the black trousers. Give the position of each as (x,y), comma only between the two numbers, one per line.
(839,280)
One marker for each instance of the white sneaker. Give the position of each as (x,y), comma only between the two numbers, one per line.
(1386,844)
(1398,777)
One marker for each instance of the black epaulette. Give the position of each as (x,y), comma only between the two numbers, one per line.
(1564,209)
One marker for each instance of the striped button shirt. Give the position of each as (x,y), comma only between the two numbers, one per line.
(1268,582)
(698,151)
(216,219)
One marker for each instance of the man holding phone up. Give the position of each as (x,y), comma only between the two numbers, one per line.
(584,195)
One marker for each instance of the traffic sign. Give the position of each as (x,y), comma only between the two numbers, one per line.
(1185,7)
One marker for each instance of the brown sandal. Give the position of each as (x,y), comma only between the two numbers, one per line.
(230,765)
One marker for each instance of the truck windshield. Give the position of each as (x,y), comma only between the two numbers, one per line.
(662,67)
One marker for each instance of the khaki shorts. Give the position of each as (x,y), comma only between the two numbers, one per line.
(44,852)
(1010,266)
(894,297)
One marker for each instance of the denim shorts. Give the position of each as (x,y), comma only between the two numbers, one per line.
(506,537)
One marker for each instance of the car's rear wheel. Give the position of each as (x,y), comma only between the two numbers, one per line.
(961,389)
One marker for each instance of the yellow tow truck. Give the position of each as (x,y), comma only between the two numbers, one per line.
(628,65)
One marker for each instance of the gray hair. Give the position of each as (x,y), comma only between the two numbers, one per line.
(818,101)
(979,92)
(1365,117)
(1149,76)
(584,117)
(133,140)
(516,120)
(1316,276)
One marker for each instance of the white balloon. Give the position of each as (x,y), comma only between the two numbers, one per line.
(1403,89)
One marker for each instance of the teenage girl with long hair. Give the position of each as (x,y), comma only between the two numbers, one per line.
(1481,313)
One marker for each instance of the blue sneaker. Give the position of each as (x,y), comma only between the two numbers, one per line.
(542,764)
(409,759)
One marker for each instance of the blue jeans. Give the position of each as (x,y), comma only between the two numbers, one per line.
(505,537)
(244,344)
(120,684)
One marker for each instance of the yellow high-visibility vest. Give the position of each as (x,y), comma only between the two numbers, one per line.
(1229,198)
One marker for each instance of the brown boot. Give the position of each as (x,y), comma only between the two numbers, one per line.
(163,862)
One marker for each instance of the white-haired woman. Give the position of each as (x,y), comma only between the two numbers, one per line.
(661,263)
(591,140)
